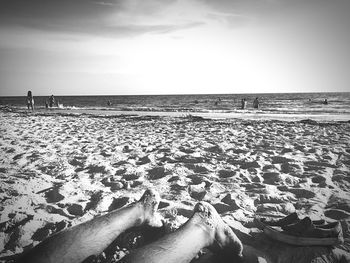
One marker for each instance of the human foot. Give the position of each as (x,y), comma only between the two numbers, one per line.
(224,240)
(150,201)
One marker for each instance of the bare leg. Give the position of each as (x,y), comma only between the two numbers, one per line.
(204,229)
(90,238)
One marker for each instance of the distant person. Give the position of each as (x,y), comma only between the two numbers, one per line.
(51,101)
(325,102)
(30,100)
(243,103)
(46,104)
(256,103)
(218,100)
(109,103)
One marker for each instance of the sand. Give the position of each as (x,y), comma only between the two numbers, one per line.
(60,170)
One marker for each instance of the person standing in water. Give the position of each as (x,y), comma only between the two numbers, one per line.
(244,103)
(256,103)
(30,101)
(51,101)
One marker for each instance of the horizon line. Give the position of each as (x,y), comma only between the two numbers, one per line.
(176,94)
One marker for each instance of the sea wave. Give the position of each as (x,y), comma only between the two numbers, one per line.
(297,110)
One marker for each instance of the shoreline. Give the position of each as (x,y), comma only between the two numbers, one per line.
(212,115)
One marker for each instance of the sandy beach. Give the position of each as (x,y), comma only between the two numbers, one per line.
(57,171)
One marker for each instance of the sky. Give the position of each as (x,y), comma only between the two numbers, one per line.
(127,47)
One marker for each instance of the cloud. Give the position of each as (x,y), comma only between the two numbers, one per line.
(98,17)
(118,18)
(231,20)
(136,29)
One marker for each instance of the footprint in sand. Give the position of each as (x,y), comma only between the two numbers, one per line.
(248,165)
(77,161)
(16,221)
(240,201)
(318,179)
(197,192)
(163,204)
(187,150)
(158,173)
(11,150)
(280,160)
(341,178)
(177,188)
(132,176)
(222,208)
(226,173)
(318,165)
(75,209)
(272,178)
(18,156)
(43,232)
(298,192)
(53,196)
(300,147)
(174,178)
(198,168)
(198,179)
(35,156)
(14,239)
(54,210)
(143,160)
(273,198)
(15,231)
(291,168)
(94,169)
(215,149)
(95,199)
(286,150)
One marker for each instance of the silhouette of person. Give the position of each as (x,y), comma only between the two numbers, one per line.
(256,103)
(30,100)
(51,101)
(244,103)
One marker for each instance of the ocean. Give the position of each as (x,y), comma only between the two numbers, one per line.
(276,104)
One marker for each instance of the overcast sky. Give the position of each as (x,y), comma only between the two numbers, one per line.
(117,47)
